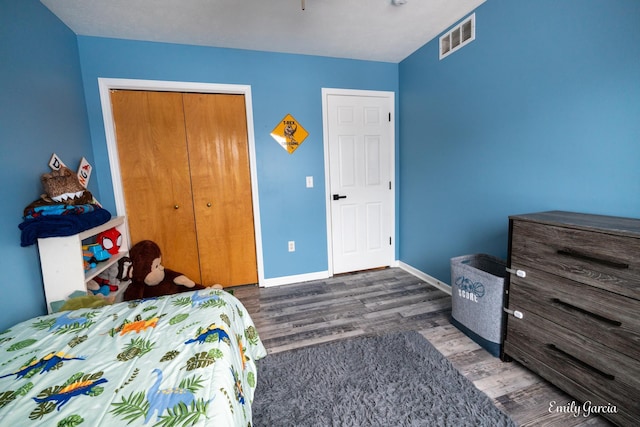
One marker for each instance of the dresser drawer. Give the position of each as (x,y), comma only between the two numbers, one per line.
(610,319)
(583,368)
(606,261)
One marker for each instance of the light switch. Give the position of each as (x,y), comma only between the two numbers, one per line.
(309,182)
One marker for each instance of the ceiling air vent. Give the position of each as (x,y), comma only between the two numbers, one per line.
(458,36)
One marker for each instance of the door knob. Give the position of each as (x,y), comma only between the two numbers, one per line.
(337,197)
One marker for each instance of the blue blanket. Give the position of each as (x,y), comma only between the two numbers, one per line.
(60,225)
(58,209)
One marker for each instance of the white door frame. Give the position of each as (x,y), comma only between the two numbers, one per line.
(326,92)
(107,84)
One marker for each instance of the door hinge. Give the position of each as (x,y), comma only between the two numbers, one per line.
(389,240)
(389,116)
(389,185)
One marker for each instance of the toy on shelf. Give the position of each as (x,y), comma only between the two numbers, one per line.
(115,278)
(95,288)
(65,208)
(93,254)
(110,240)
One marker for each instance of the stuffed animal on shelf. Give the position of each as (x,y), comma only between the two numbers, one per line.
(150,278)
(63,186)
(116,277)
(95,288)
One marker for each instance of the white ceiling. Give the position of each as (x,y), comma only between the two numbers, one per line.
(358,29)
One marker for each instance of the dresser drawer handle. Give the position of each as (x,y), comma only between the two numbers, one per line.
(593,258)
(516,313)
(580,362)
(517,272)
(586,312)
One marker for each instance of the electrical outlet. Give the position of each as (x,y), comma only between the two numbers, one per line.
(309,182)
(292,246)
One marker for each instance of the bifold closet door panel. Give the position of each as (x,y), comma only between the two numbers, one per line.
(221,181)
(154,166)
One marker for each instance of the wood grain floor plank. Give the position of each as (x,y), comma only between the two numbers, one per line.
(388,300)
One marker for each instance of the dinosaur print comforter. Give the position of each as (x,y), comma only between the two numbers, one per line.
(180,360)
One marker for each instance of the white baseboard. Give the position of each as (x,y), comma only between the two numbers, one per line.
(444,287)
(287,280)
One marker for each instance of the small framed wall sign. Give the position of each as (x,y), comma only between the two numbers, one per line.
(289,133)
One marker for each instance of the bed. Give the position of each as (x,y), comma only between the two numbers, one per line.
(179,360)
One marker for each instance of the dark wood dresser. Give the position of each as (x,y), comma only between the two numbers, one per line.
(573,295)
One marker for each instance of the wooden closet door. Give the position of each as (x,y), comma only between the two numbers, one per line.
(154,166)
(221,181)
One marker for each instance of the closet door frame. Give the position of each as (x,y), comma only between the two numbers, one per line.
(107,84)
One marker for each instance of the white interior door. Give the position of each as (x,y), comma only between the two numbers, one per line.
(359,135)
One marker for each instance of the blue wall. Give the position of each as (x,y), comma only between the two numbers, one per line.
(42,111)
(280,84)
(540,112)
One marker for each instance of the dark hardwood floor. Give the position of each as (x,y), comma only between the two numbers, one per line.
(380,301)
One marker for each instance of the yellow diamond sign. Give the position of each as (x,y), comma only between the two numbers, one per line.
(289,133)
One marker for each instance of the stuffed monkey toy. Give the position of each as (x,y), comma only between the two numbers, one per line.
(150,278)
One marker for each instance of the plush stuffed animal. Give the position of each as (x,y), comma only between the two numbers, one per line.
(150,278)
(63,186)
(117,276)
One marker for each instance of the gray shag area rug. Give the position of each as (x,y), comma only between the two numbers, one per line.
(396,379)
